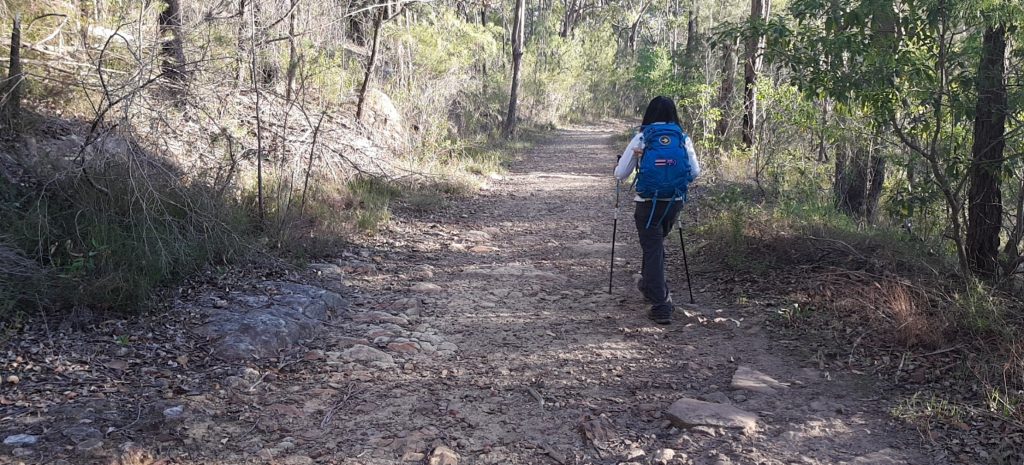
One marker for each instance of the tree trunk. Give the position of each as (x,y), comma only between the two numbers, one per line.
(370,64)
(567,18)
(293,53)
(985,203)
(673,36)
(11,107)
(171,45)
(875,187)
(254,50)
(1013,253)
(634,31)
(267,69)
(859,178)
(691,33)
(885,34)
(529,21)
(759,11)
(483,22)
(241,40)
(517,57)
(822,130)
(730,61)
(851,179)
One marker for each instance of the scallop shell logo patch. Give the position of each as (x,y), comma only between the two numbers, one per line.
(665,140)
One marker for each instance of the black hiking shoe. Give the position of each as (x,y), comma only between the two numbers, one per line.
(659,318)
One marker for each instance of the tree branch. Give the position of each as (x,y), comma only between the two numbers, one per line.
(53,34)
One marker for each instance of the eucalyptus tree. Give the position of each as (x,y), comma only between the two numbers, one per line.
(172,47)
(518,39)
(910,68)
(10,104)
(756,43)
(985,202)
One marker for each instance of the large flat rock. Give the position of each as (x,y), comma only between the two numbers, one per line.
(362,353)
(688,413)
(749,379)
(253,326)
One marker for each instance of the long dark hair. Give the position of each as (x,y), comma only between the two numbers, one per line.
(661,110)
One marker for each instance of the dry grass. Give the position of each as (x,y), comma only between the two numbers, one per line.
(915,321)
(877,291)
(892,310)
(134,455)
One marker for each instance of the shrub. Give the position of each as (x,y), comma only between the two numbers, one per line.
(113,233)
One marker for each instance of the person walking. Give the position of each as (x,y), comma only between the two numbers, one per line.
(663,157)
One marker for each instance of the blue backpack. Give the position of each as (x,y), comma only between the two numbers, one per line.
(663,171)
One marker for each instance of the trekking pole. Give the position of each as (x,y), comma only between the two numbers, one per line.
(686,266)
(615,228)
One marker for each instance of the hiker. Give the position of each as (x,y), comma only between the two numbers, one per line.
(663,156)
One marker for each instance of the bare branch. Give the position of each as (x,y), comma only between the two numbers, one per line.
(50,37)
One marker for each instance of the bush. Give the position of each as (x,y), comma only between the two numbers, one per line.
(110,236)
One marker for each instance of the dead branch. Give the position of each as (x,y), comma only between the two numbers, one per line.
(50,37)
(309,166)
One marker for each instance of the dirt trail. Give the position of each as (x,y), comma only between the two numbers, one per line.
(550,368)
(487,329)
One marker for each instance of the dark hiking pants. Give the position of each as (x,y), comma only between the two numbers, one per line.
(652,240)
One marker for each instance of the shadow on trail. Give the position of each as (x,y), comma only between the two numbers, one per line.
(544,347)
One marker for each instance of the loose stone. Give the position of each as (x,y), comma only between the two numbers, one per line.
(692,412)
(19,440)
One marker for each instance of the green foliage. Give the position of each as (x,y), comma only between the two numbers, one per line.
(921,408)
(482,160)
(793,313)
(912,72)
(981,313)
(1004,404)
(110,243)
(729,224)
(461,84)
(454,172)
(334,74)
(573,79)
(373,196)
(609,90)
(442,44)
(654,72)
(446,92)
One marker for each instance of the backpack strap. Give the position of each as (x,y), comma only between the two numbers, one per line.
(636,167)
(664,214)
(654,206)
(668,207)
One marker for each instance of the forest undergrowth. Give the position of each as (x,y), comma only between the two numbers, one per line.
(147,161)
(134,221)
(875,300)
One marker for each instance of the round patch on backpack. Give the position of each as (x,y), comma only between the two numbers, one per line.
(665,140)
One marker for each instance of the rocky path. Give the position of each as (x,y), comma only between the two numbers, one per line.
(485,335)
(539,364)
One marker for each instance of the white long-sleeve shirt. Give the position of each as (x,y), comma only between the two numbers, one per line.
(627,163)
